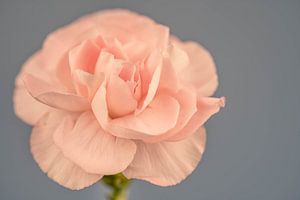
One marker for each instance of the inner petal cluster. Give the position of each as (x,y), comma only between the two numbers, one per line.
(126,80)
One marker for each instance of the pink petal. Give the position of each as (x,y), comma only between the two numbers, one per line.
(207,106)
(99,106)
(150,79)
(63,73)
(160,116)
(187,100)
(168,79)
(36,66)
(120,99)
(141,28)
(84,56)
(178,58)
(167,163)
(25,106)
(85,143)
(49,95)
(128,71)
(63,39)
(87,84)
(68,102)
(105,23)
(201,72)
(59,42)
(36,85)
(50,158)
(137,89)
(188,107)
(107,64)
(114,46)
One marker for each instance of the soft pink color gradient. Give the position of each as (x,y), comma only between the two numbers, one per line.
(114,92)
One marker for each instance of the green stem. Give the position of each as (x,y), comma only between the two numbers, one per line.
(118,185)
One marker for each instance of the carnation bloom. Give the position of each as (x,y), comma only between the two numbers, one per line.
(114,92)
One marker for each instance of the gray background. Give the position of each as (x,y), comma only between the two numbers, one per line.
(253,144)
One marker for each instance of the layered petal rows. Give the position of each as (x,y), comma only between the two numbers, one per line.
(114,92)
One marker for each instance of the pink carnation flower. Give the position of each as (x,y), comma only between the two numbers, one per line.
(114,92)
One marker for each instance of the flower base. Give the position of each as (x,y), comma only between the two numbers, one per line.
(118,184)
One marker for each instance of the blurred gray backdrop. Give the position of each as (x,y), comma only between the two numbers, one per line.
(253,144)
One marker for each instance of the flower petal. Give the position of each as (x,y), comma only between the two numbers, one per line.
(50,158)
(106,64)
(120,99)
(63,73)
(59,42)
(52,97)
(168,79)
(201,72)
(84,56)
(25,106)
(99,106)
(68,102)
(85,143)
(178,58)
(160,116)
(150,79)
(113,46)
(188,107)
(167,163)
(139,34)
(86,84)
(63,39)
(207,106)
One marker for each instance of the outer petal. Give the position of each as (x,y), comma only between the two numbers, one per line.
(139,34)
(201,73)
(167,163)
(50,158)
(63,39)
(52,97)
(68,102)
(107,23)
(86,144)
(58,43)
(207,106)
(25,106)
